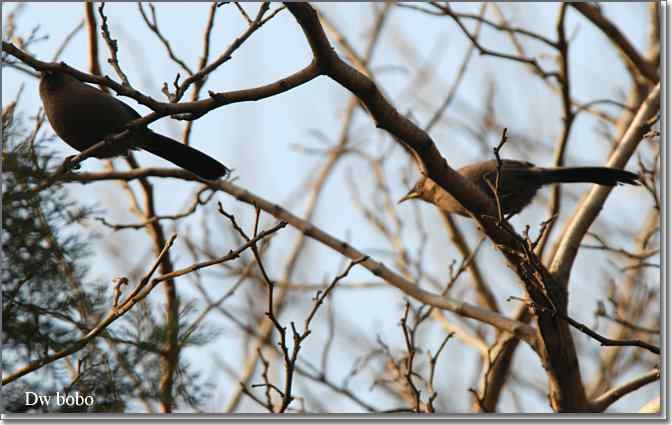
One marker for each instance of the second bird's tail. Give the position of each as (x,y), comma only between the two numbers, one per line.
(604,176)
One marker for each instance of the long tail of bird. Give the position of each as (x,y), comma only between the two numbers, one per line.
(185,156)
(604,176)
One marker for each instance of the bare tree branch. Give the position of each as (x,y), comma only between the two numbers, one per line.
(601,403)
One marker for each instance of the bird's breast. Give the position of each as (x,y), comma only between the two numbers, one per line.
(82,124)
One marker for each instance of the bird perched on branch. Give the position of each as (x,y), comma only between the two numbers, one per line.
(82,116)
(519,183)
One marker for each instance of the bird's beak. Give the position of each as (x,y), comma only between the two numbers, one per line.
(412,194)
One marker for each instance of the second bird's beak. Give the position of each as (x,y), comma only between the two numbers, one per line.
(412,194)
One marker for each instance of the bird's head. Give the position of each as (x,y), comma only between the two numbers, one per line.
(418,191)
(53,80)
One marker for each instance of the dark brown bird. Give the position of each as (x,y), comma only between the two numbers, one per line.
(519,183)
(82,116)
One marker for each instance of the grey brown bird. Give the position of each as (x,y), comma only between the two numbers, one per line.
(82,116)
(519,183)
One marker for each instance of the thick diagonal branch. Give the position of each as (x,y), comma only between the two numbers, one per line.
(559,355)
